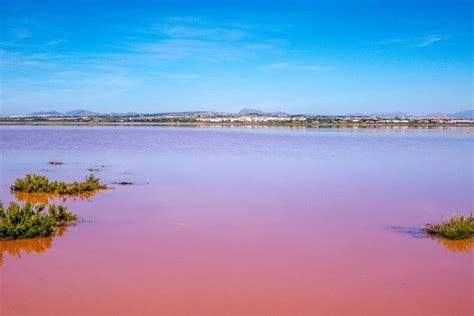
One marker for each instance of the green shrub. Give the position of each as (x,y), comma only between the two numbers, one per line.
(33,183)
(457,227)
(61,215)
(31,220)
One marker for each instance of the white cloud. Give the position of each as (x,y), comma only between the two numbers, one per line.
(430,39)
(296,66)
(419,42)
(182,76)
(220,34)
(54,42)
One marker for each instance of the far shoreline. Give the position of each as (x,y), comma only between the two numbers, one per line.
(250,124)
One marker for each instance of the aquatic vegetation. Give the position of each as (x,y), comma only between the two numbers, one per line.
(32,220)
(456,227)
(55,163)
(96,168)
(124,183)
(33,183)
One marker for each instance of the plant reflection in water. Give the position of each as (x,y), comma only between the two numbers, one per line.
(16,248)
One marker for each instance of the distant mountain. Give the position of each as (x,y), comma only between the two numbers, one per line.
(469,114)
(391,114)
(278,113)
(464,114)
(47,113)
(69,113)
(121,114)
(357,114)
(440,115)
(81,113)
(461,115)
(382,114)
(248,111)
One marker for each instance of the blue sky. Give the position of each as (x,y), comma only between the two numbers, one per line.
(325,57)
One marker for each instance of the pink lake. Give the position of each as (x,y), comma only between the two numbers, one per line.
(244,221)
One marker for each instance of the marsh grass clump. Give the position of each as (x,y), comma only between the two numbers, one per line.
(456,227)
(96,168)
(32,220)
(33,183)
(124,183)
(55,163)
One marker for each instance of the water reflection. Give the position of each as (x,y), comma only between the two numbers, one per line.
(46,198)
(457,245)
(26,246)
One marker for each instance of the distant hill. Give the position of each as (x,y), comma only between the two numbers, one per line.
(247,111)
(121,114)
(469,114)
(382,114)
(47,113)
(69,113)
(81,113)
(438,114)
(391,114)
(464,114)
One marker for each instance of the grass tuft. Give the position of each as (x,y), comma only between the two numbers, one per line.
(124,183)
(32,220)
(55,163)
(456,227)
(33,183)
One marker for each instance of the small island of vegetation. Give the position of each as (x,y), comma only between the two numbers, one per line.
(124,183)
(456,227)
(55,163)
(33,183)
(32,220)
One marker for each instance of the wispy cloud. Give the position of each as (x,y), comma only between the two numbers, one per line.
(202,50)
(181,76)
(431,39)
(54,42)
(225,34)
(77,79)
(195,42)
(196,38)
(191,39)
(12,59)
(19,44)
(418,42)
(297,66)
(22,33)
(201,28)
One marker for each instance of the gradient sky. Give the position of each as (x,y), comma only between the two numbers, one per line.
(323,57)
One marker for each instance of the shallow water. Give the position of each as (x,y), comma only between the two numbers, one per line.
(278,221)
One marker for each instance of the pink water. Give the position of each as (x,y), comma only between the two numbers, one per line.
(244,221)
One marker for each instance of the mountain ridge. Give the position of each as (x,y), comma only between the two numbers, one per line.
(468,114)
